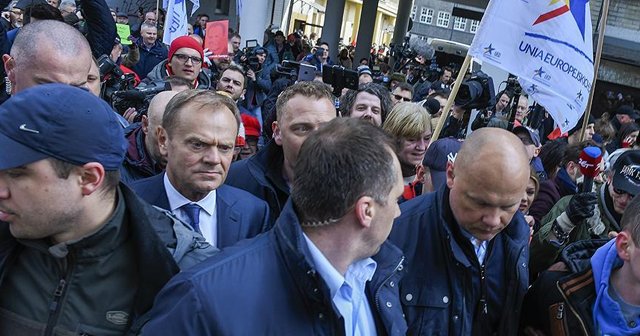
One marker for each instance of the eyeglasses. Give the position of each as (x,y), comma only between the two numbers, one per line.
(185,58)
(399,97)
(622,192)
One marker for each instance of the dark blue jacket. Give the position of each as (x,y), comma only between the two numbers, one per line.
(437,293)
(261,175)
(239,215)
(150,58)
(268,286)
(101,29)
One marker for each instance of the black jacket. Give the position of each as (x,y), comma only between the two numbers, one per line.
(561,300)
(101,29)
(261,175)
(160,246)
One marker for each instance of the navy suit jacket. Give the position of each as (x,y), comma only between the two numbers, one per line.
(239,214)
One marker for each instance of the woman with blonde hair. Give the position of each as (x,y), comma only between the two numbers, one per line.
(410,125)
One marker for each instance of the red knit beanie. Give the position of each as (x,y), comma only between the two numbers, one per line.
(185,42)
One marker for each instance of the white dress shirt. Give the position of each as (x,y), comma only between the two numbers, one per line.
(208,222)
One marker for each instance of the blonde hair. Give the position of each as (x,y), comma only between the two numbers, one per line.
(407,120)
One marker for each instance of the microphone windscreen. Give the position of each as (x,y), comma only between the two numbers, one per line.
(422,47)
(589,161)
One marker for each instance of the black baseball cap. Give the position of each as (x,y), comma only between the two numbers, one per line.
(626,172)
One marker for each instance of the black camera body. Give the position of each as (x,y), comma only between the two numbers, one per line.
(476,92)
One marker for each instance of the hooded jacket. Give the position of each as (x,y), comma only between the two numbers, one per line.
(572,297)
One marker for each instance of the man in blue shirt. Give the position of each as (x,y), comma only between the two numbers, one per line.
(324,269)
(466,244)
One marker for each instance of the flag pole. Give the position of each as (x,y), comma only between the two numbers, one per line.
(452,96)
(158,13)
(601,28)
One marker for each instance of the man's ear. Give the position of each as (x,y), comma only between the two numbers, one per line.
(9,67)
(145,124)
(450,174)
(365,210)
(277,135)
(163,140)
(624,244)
(91,177)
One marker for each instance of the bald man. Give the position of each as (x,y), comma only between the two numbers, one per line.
(143,158)
(466,244)
(62,56)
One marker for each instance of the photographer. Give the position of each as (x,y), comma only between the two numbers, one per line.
(259,83)
(319,56)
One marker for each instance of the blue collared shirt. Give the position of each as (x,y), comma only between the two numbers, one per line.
(208,222)
(479,246)
(348,292)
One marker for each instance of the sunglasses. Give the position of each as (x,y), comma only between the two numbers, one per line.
(399,97)
(185,58)
(622,192)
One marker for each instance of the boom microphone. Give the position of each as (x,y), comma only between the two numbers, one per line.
(589,162)
(422,47)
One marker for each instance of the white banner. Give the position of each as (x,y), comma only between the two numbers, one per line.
(175,24)
(548,45)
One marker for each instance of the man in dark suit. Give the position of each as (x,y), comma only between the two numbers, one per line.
(198,133)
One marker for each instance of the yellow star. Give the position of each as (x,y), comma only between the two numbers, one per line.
(553,2)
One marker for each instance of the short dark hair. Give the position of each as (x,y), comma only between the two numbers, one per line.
(196,99)
(237,68)
(572,152)
(349,99)
(63,170)
(344,160)
(551,155)
(404,86)
(631,220)
(234,35)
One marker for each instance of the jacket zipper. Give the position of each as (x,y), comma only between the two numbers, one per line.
(58,296)
(385,281)
(575,313)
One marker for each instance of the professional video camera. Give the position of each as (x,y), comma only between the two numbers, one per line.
(138,98)
(339,78)
(476,92)
(248,59)
(113,78)
(406,55)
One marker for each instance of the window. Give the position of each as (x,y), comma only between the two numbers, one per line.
(459,23)
(426,15)
(443,19)
(413,12)
(474,26)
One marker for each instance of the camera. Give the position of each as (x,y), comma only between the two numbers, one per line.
(294,71)
(339,78)
(477,92)
(138,98)
(249,60)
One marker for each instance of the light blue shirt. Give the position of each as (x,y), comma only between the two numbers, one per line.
(348,292)
(479,246)
(208,222)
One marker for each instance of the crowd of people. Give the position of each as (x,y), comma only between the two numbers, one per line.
(239,200)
